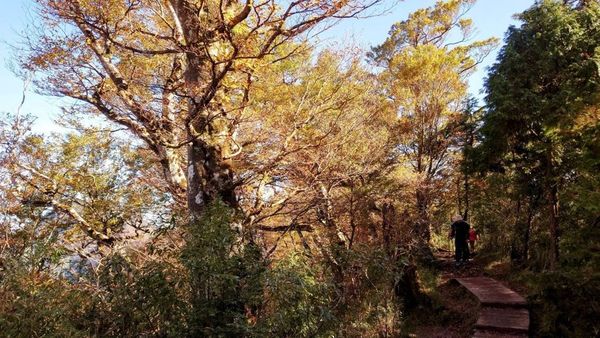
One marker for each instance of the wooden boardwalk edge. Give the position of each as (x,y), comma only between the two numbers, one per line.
(503,312)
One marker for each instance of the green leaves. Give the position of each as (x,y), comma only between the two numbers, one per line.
(300,296)
(225,274)
(537,133)
(545,77)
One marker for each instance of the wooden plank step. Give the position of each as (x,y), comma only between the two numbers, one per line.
(494,334)
(503,320)
(492,293)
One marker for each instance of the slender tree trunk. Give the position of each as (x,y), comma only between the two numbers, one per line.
(528,232)
(553,206)
(520,249)
(325,214)
(388,215)
(338,241)
(352,219)
(467,192)
(516,254)
(470,140)
(459,195)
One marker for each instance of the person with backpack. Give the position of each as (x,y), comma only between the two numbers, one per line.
(460,232)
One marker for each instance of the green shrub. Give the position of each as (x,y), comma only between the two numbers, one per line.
(299,299)
(225,274)
(565,304)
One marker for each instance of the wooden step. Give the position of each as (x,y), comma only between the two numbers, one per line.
(494,334)
(503,312)
(503,320)
(492,293)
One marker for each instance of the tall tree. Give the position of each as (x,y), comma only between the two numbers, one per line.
(426,61)
(545,79)
(469,125)
(175,73)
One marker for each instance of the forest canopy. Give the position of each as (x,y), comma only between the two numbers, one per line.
(223,175)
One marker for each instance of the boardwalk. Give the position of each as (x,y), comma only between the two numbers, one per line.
(503,312)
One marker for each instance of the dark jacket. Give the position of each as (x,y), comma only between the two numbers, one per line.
(460,230)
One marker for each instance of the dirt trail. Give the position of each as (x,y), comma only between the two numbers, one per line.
(453,311)
(499,311)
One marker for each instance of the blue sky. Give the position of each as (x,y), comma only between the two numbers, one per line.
(491,18)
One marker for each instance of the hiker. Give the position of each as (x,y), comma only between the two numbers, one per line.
(460,232)
(473,237)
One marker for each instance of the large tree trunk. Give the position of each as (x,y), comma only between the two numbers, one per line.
(422,228)
(209,173)
(210,177)
(172,165)
(407,288)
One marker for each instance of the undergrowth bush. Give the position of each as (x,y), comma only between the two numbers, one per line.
(565,304)
(217,285)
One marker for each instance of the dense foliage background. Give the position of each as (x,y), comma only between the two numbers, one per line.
(223,177)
